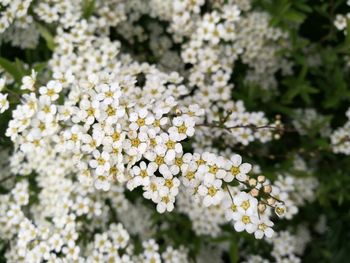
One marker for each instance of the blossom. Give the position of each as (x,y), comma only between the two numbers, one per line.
(4,103)
(28,82)
(142,174)
(238,169)
(51,90)
(100,162)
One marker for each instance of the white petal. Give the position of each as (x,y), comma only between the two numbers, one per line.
(245,168)
(236,160)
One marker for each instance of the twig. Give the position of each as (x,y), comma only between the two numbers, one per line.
(248,126)
(6,178)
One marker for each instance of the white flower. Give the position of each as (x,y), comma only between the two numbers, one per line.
(89,110)
(100,162)
(170,186)
(142,174)
(111,113)
(238,169)
(114,136)
(108,94)
(72,253)
(140,119)
(4,103)
(212,193)
(135,144)
(47,110)
(28,82)
(51,90)
(264,228)
(246,203)
(169,147)
(245,222)
(280,209)
(183,128)
(102,183)
(166,204)
(151,191)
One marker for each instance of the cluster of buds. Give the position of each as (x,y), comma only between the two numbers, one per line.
(262,189)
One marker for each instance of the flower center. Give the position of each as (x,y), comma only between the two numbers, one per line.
(213,169)
(212,191)
(169,183)
(182,129)
(245,205)
(143,173)
(246,219)
(135,142)
(140,122)
(234,170)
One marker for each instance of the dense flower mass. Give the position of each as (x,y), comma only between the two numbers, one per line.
(161,131)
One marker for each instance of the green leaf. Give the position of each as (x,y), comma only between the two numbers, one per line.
(88,8)
(233,251)
(38,67)
(303,7)
(13,68)
(46,34)
(295,16)
(21,67)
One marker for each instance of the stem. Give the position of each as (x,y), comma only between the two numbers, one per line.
(11,92)
(6,178)
(249,126)
(229,192)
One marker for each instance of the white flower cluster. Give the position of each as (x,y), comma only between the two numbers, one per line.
(116,127)
(286,247)
(236,205)
(12,10)
(237,126)
(99,119)
(67,204)
(136,218)
(308,119)
(294,192)
(22,33)
(215,41)
(110,135)
(341,20)
(340,138)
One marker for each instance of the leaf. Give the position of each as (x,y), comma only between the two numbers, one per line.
(38,67)
(46,34)
(21,67)
(295,16)
(88,8)
(233,251)
(303,7)
(12,68)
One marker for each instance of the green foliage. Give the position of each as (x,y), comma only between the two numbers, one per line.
(88,8)
(15,69)
(47,35)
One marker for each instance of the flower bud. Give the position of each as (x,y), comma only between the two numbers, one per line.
(271,201)
(254,192)
(261,208)
(252,182)
(267,189)
(261,178)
